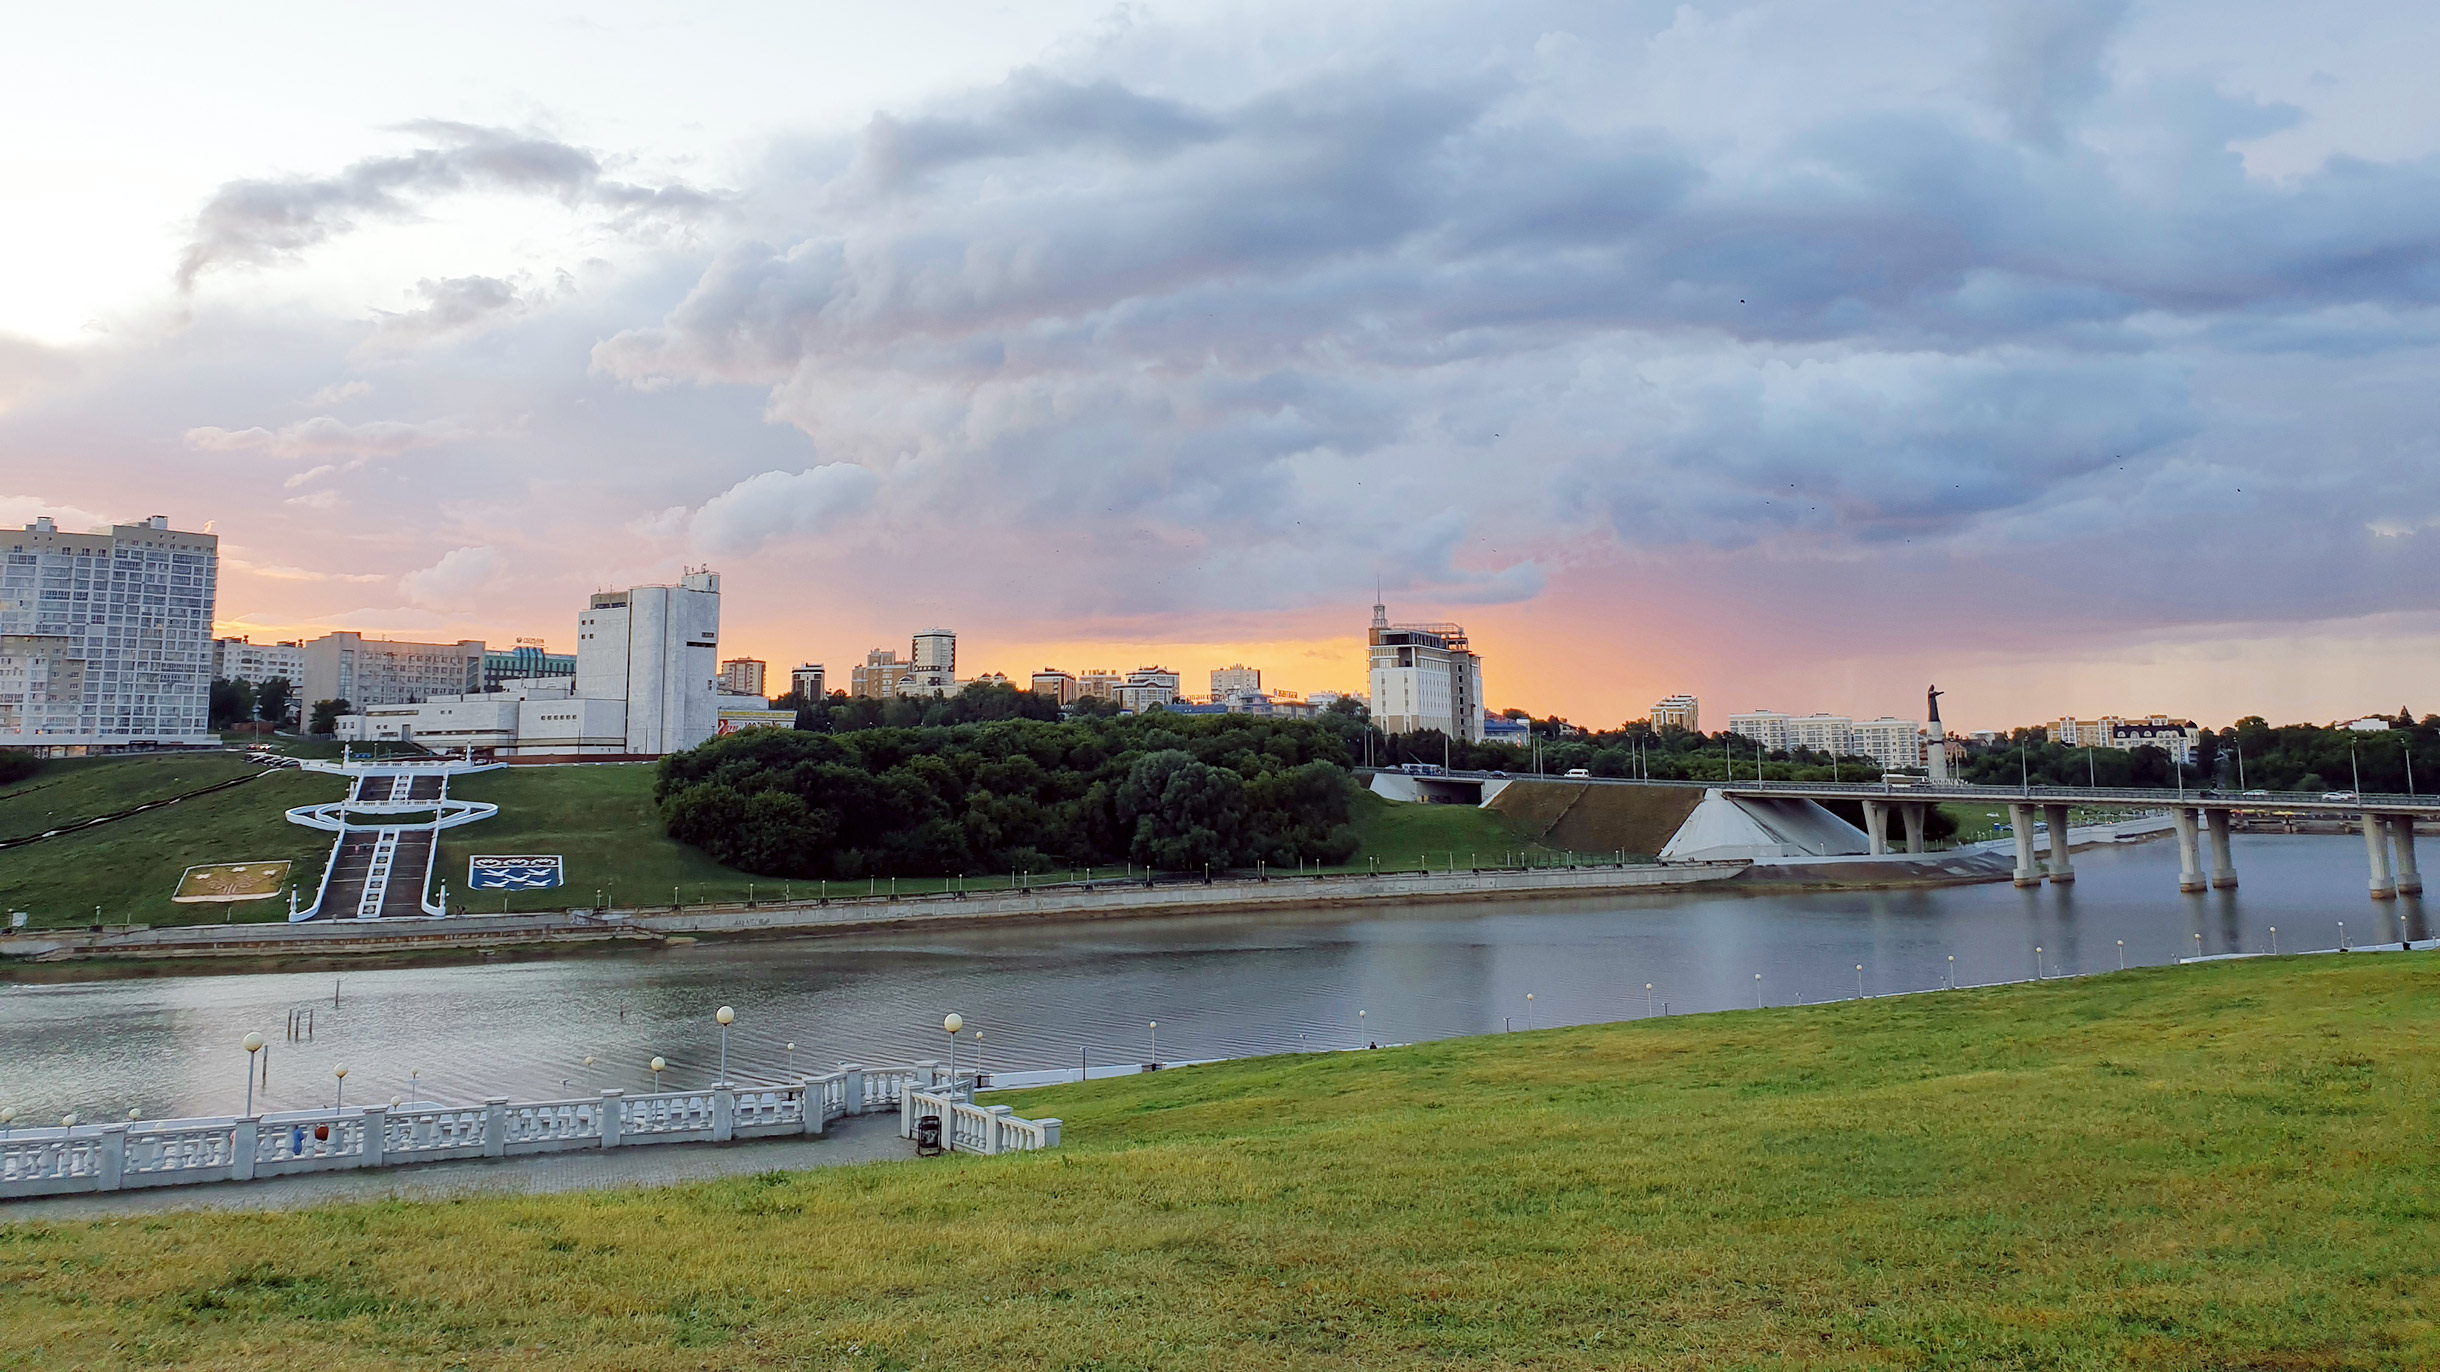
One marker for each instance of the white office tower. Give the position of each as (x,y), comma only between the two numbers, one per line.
(1424,676)
(107,637)
(658,649)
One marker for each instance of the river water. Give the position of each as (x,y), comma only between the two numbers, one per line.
(1219,986)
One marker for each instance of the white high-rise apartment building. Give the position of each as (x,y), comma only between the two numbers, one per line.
(122,621)
(808,682)
(1890,742)
(657,648)
(239,659)
(1775,731)
(1235,680)
(379,671)
(1424,676)
(1683,712)
(935,664)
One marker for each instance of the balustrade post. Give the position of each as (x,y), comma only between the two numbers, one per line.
(614,1115)
(495,1126)
(724,1113)
(812,1094)
(991,1126)
(244,1140)
(376,1150)
(854,1072)
(111,1166)
(1050,1132)
(931,1072)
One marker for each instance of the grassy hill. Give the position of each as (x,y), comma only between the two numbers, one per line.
(600,819)
(130,868)
(2225,1165)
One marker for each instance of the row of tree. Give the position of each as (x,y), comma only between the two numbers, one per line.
(241,702)
(1637,750)
(1154,790)
(2251,754)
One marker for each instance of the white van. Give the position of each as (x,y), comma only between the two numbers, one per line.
(1579,772)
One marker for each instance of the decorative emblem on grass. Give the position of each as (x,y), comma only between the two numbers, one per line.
(531,872)
(231,881)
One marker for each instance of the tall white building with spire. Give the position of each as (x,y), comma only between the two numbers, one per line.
(1425,676)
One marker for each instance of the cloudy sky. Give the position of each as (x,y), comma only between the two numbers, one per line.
(2073,356)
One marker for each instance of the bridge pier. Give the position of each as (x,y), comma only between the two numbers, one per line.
(2376,850)
(2189,861)
(2402,831)
(1876,827)
(1913,812)
(2062,869)
(2223,867)
(2020,823)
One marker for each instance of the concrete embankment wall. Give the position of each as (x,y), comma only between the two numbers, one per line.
(1065,902)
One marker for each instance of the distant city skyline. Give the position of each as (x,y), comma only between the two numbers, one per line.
(2093,376)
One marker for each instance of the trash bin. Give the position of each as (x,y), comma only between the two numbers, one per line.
(927,1136)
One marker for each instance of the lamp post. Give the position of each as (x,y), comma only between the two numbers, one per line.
(253,1044)
(950,1024)
(727,1017)
(1952,971)
(2122,955)
(792,1057)
(657,1066)
(1757,990)
(339,1096)
(2037,962)
(1156,1043)
(1360,1024)
(8,1119)
(2274,941)
(1859,981)
(978,1058)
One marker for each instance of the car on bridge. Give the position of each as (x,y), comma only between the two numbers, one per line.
(2340,795)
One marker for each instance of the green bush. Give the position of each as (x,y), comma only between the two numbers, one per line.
(1161,791)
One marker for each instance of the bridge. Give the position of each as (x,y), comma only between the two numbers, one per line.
(2387,820)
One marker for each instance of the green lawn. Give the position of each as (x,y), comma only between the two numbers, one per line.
(130,868)
(1977,822)
(602,821)
(78,788)
(2218,1166)
(1400,835)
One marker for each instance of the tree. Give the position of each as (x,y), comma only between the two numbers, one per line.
(326,714)
(232,702)
(272,700)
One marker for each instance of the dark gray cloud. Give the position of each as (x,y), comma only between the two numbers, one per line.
(261,222)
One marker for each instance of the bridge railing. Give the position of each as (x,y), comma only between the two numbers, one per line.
(110,1157)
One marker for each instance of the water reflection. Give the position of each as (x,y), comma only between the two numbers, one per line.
(1048,996)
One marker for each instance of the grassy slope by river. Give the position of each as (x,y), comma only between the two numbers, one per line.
(601,819)
(2212,1166)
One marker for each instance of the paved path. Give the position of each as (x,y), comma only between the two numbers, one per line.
(869,1138)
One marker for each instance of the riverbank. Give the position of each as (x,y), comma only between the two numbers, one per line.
(2208,1166)
(317,942)
(40,954)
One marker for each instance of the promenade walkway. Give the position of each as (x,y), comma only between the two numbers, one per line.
(868,1138)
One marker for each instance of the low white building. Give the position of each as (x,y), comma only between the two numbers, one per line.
(534,718)
(240,659)
(1890,742)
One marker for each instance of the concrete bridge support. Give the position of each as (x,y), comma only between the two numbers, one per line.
(2020,822)
(2189,860)
(2376,850)
(2402,833)
(1876,827)
(2223,867)
(2062,868)
(1913,811)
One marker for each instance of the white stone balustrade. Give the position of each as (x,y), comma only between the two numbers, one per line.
(111,1157)
(970,1128)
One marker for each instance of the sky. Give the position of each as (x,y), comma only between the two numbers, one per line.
(2076,357)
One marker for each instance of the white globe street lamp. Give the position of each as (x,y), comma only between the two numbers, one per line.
(950,1024)
(339,1097)
(1156,1043)
(727,1017)
(657,1066)
(253,1044)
